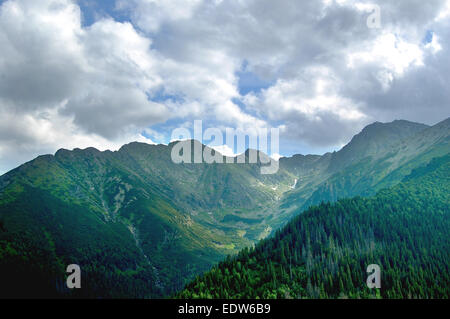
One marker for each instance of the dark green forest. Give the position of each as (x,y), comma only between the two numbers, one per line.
(324,252)
(35,265)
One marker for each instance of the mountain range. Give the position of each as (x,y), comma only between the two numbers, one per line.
(141,226)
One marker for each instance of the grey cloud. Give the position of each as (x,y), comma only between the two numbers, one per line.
(328,131)
(63,85)
(421,95)
(105,112)
(34,65)
(409,13)
(100,77)
(283,40)
(93,72)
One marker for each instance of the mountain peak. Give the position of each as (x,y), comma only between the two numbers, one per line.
(136,145)
(375,138)
(86,151)
(387,133)
(401,126)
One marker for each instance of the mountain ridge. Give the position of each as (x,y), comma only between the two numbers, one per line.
(297,155)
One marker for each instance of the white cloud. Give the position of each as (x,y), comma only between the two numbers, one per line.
(434,46)
(276,156)
(44,131)
(224,150)
(445,12)
(312,99)
(390,52)
(63,84)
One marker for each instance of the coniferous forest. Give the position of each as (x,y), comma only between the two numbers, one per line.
(324,252)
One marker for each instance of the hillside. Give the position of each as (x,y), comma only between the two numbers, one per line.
(141,226)
(324,252)
(378,157)
(131,219)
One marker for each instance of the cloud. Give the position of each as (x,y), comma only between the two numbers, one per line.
(276,156)
(24,136)
(313,68)
(298,47)
(224,150)
(63,85)
(162,11)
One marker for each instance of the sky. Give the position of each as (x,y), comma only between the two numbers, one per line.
(105,73)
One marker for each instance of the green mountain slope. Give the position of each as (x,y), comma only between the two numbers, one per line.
(380,156)
(324,252)
(142,226)
(167,221)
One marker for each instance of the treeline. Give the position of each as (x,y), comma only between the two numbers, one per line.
(325,251)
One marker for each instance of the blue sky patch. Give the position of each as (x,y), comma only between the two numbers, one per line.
(428,37)
(95,10)
(250,82)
